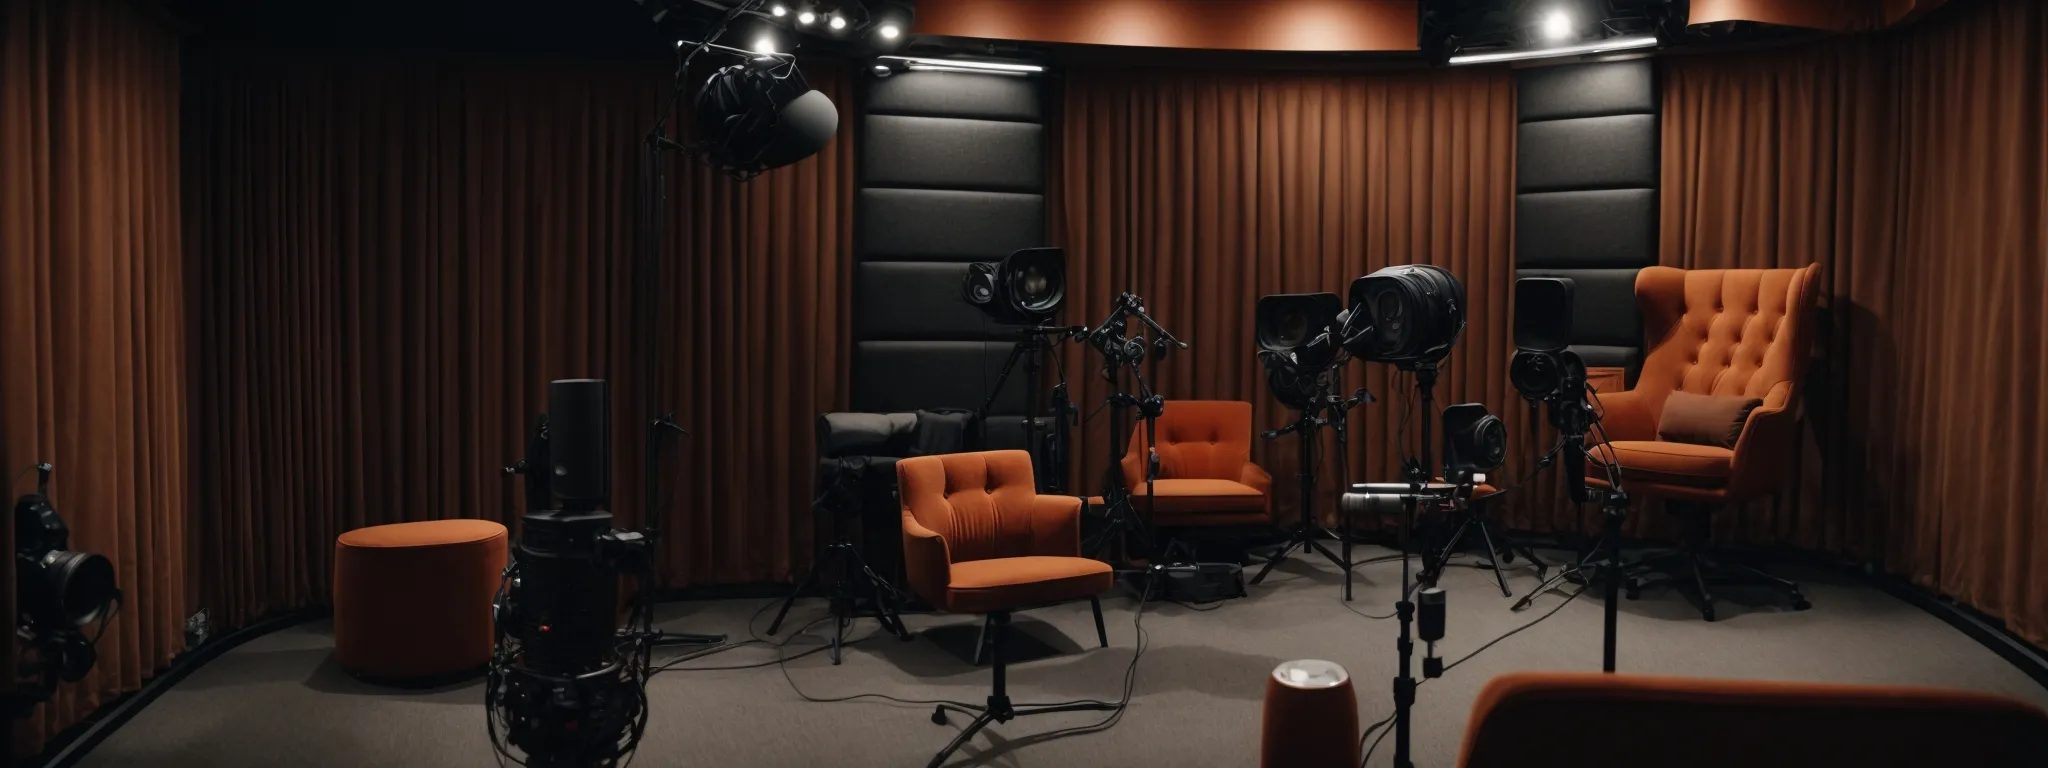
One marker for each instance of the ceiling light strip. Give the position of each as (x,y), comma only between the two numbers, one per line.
(963,64)
(1597,46)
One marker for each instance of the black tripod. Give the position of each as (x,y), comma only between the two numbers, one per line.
(854,574)
(1474,519)
(1048,460)
(1307,533)
(1120,352)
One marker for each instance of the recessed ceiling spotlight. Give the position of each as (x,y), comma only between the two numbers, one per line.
(806,17)
(778,10)
(1557,26)
(889,30)
(764,45)
(836,21)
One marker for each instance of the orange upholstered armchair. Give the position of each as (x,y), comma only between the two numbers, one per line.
(1675,722)
(1206,474)
(1714,416)
(977,538)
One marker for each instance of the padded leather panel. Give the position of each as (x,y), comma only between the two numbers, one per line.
(1006,431)
(950,153)
(1603,305)
(1586,90)
(1593,228)
(1587,153)
(955,94)
(908,375)
(948,225)
(914,301)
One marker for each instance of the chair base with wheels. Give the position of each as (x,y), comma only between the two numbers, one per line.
(999,709)
(1696,572)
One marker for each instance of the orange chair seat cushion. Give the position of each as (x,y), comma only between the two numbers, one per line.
(1682,464)
(1009,583)
(413,600)
(1177,497)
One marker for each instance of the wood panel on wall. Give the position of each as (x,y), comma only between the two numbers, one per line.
(92,343)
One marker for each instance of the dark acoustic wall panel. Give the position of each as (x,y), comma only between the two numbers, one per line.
(923,303)
(907,375)
(957,94)
(1613,152)
(949,153)
(1586,203)
(952,172)
(948,225)
(1606,227)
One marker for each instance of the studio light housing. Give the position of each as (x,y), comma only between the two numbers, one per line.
(58,592)
(1025,288)
(760,114)
(1474,441)
(1408,315)
(1297,326)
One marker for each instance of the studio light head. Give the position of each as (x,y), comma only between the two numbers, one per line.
(58,592)
(1408,316)
(760,114)
(1025,288)
(1293,331)
(1297,326)
(1474,441)
(1544,368)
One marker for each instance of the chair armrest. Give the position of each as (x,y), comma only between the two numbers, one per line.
(1258,478)
(1624,416)
(926,561)
(1056,526)
(1767,445)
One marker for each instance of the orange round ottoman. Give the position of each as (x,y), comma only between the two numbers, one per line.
(1311,717)
(412,601)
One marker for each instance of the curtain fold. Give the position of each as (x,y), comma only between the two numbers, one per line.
(391,256)
(92,355)
(1203,191)
(1913,166)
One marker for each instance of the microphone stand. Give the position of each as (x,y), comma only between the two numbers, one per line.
(1119,353)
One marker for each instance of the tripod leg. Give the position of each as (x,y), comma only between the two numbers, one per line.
(1278,555)
(1101,634)
(810,579)
(885,609)
(838,637)
(1494,555)
(1432,571)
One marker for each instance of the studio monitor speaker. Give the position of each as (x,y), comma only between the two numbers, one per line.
(1543,313)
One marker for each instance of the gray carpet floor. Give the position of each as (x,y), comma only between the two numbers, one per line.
(280,699)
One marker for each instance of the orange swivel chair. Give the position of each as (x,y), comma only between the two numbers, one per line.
(977,538)
(1675,722)
(1206,474)
(1714,415)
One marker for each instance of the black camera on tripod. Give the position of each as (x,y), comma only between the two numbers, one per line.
(58,593)
(565,686)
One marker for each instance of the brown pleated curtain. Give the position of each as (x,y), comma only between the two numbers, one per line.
(1203,191)
(92,348)
(391,256)
(1913,166)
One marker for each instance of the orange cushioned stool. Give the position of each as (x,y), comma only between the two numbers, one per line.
(412,601)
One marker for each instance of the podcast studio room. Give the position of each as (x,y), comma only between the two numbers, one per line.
(1025,383)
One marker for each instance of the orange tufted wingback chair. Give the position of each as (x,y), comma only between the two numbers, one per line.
(1206,474)
(1728,333)
(977,538)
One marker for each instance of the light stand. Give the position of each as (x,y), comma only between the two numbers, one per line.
(1307,531)
(1048,461)
(1118,354)
(1404,683)
(853,572)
